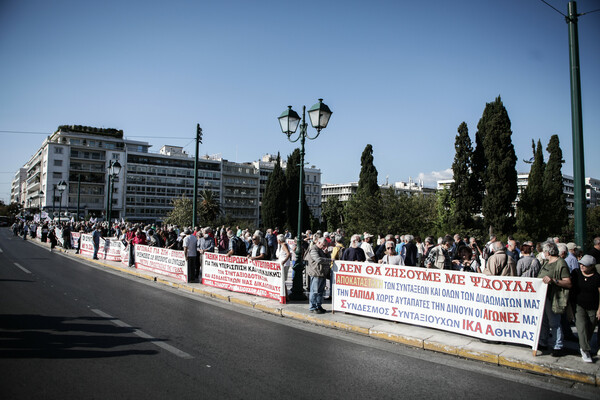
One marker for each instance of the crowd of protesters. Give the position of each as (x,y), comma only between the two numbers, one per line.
(573,277)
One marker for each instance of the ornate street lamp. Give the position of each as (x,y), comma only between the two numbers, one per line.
(61,186)
(114,169)
(289,120)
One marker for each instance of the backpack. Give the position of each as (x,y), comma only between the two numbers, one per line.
(239,247)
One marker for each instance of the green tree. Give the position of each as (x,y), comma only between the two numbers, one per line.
(500,177)
(367,181)
(363,210)
(555,204)
(530,209)
(209,208)
(274,200)
(333,212)
(181,214)
(477,179)
(460,190)
(444,208)
(292,177)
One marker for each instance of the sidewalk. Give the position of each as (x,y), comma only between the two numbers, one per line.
(569,367)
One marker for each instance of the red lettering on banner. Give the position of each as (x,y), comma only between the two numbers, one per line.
(471,326)
(343,303)
(455,279)
(394,311)
(355,269)
(501,316)
(504,284)
(489,330)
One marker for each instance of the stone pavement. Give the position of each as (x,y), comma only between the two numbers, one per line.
(569,366)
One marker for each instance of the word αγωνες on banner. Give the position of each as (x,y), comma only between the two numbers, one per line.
(162,261)
(497,308)
(240,274)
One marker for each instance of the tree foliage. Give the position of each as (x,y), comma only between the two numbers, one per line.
(181,214)
(209,208)
(530,214)
(363,210)
(274,202)
(500,177)
(555,204)
(460,190)
(333,213)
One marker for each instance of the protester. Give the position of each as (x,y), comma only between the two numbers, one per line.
(500,263)
(391,257)
(354,252)
(284,256)
(554,273)
(528,266)
(190,252)
(319,263)
(439,256)
(585,293)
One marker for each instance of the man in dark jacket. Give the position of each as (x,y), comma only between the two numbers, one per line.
(410,251)
(354,251)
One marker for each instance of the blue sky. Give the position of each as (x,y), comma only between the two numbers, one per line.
(399,75)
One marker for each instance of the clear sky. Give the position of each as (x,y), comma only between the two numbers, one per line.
(399,75)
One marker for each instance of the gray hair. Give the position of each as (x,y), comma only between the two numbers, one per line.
(409,238)
(551,248)
(320,241)
(281,237)
(596,241)
(354,240)
(497,245)
(562,248)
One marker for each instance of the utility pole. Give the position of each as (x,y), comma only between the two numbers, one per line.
(195,197)
(577,128)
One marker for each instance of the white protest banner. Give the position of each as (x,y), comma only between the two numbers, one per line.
(59,236)
(109,249)
(166,262)
(497,308)
(240,274)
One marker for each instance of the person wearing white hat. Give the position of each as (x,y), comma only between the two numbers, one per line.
(586,295)
(367,247)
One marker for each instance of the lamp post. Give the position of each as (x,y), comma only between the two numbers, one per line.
(113,170)
(289,120)
(61,186)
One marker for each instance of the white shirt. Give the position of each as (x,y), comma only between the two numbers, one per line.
(190,242)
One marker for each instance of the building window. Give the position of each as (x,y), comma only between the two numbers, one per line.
(58,163)
(57,175)
(58,150)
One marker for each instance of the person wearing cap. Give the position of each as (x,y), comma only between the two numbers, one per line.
(190,243)
(586,295)
(569,257)
(367,247)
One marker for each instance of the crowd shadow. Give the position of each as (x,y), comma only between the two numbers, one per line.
(38,336)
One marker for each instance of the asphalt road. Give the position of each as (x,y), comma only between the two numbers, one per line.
(71,330)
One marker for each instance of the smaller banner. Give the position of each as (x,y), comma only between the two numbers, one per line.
(110,248)
(74,239)
(166,262)
(240,274)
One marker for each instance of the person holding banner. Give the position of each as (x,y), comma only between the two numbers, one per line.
(319,263)
(283,255)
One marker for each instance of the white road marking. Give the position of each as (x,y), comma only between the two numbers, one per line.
(143,335)
(23,268)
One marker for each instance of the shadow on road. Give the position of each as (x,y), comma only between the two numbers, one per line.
(38,336)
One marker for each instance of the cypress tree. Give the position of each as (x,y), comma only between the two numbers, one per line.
(500,175)
(478,167)
(554,197)
(460,189)
(292,177)
(367,182)
(363,210)
(274,203)
(530,209)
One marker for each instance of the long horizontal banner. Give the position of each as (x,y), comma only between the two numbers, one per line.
(240,274)
(161,261)
(506,309)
